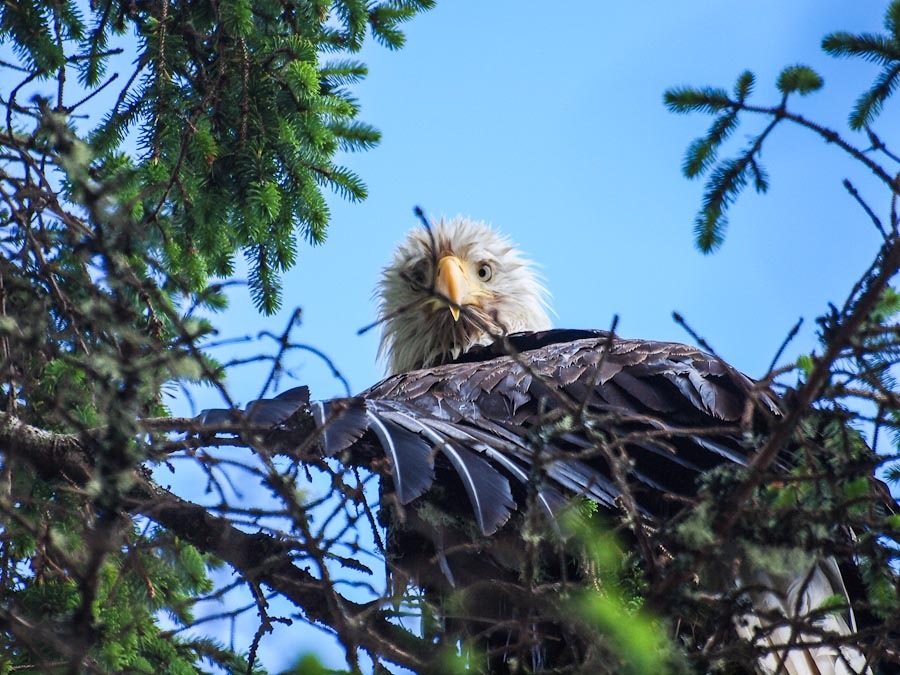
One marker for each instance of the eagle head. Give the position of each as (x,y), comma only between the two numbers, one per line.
(452,287)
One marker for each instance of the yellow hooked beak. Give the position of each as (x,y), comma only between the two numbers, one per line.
(453,284)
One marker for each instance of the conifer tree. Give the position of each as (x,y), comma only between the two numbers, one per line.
(219,140)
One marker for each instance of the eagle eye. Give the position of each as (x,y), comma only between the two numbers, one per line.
(418,274)
(485,272)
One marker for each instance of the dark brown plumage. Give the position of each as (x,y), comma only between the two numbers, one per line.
(481,410)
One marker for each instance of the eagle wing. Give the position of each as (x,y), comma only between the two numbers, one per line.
(571,404)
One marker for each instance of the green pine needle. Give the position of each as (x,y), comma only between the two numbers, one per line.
(892,20)
(684,100)
(800,79)
(700,156)
(722,188)
(870,103)
(880,49)
(744,86)
(868,46)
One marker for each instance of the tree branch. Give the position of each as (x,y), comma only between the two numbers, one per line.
(259,558)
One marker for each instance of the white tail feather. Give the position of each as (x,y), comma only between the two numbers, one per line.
(793,652)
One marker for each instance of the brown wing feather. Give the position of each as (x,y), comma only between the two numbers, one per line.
(628,387)
(674,410)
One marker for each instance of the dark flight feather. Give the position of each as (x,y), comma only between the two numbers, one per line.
(481,413)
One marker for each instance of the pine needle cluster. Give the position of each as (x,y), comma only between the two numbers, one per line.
(218,134)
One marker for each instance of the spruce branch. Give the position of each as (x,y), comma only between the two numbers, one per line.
(259,557)
(868,106)
(727,178)
(800,79)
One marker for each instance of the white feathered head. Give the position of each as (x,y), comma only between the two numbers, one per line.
(454,286)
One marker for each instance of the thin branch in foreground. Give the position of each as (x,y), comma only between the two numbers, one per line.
(679,319)
(868,209)
(784,343)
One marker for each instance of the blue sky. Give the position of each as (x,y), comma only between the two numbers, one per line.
(551,126)
(547,120)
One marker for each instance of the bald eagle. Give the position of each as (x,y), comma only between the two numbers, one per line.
(492,423)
